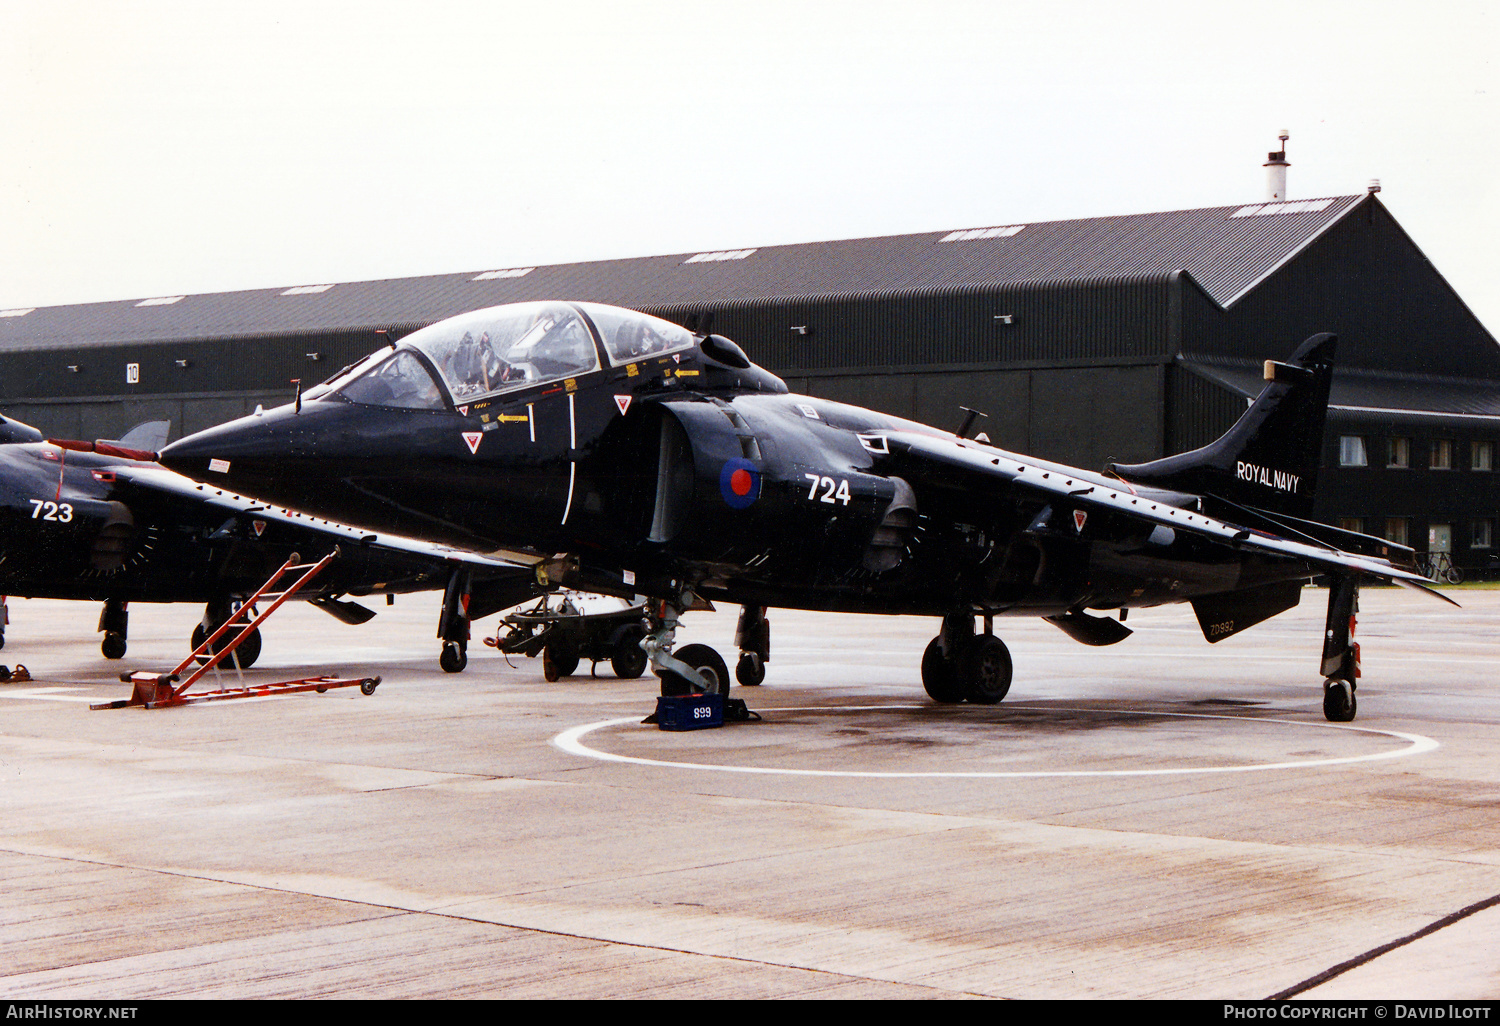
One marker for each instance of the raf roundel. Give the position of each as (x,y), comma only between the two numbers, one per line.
(739,483)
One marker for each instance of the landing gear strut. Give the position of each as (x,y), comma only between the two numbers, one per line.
(114,619)
(961,666)
(453,624)
(753,636)
(696,669)
(1340,652)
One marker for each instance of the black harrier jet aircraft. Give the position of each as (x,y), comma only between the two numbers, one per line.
(619,453)
(91,520)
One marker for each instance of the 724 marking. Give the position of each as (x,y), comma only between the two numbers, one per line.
(831,492)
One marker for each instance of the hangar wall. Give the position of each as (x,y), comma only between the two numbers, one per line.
(1105,339)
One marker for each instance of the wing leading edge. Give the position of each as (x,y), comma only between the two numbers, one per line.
(1089,493)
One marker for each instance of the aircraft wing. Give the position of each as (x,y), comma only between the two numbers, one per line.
(160,479)
(984,464)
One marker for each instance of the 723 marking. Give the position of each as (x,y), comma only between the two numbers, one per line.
(61,514)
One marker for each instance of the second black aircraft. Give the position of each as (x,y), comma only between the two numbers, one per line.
(620,453)
(96,521)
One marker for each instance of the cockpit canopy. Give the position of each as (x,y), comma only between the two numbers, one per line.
(501,349)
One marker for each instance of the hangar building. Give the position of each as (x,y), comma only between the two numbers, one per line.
(1115,338)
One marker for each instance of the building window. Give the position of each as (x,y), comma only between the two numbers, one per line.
(1352,451)
(1397,529)
(1442,454)
(1484,534)
(1398,452)
(1355,524)
(1482,456)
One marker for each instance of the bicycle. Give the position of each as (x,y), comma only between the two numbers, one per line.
(1438,568)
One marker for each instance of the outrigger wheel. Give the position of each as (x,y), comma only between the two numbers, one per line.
(1339,703)
(1340,654)
(750,671)
(454,657)
(113,645)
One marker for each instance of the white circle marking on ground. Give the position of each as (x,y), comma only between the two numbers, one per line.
(571,741)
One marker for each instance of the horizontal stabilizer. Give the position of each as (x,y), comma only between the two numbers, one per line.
(1415,586)
(1269,459)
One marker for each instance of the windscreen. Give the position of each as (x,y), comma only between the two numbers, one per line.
(400,381)
(629,336)
(508,347)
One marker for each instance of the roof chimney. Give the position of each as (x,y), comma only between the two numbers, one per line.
(1276,166)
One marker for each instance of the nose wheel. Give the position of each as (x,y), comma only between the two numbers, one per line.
(709,665)
(245,655)
(693,669)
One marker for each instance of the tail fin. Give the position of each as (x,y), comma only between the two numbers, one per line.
(1269,458)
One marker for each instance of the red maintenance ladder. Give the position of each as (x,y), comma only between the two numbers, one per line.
(160,690)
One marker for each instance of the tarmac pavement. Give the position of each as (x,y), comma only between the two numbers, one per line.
(1159,819)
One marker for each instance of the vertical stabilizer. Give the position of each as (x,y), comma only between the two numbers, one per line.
(1269,459)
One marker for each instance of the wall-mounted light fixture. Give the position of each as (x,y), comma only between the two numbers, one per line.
(184,364)
(74,368)
(802,329)
(314,357)
(1006,318)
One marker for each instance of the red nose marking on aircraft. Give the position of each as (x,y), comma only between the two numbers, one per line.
(740,481)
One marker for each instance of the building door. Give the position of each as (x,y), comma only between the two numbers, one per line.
(1440,538)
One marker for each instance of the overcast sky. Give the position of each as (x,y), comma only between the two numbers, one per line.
(163,148)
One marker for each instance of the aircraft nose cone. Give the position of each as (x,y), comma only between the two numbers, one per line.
(246,453)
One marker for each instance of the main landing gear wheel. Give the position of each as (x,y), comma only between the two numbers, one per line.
(750,671)
(113,646)
(246,654)
(707,662)
(979,672)
(628,659)
(939,675)
(453,658)
(985,669)
(1339,704)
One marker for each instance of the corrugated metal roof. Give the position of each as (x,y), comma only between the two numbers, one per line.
(1362,391)
(1226,249)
